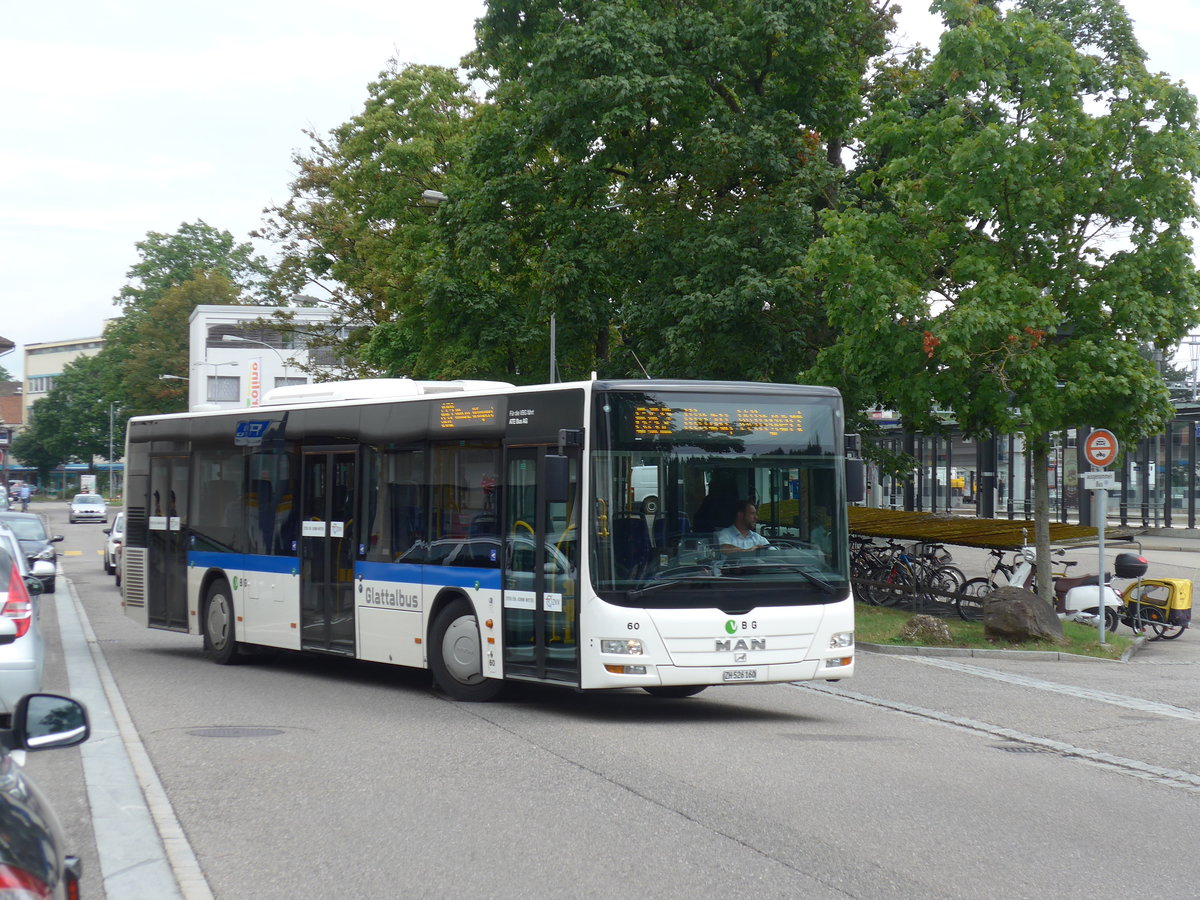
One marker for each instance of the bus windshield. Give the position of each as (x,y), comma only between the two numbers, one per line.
(670,471)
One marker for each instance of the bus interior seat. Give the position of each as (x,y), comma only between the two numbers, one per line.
(668,534)
(631,546)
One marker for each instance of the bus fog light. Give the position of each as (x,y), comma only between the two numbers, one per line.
(627,647)
(841,639)
(838,662)
(624,670)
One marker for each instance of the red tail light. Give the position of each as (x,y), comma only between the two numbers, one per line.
(19,607)
(19,883)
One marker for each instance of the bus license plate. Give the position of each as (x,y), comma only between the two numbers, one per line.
(740,675)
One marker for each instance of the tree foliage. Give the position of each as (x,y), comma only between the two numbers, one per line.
(354,231)
(69,424)
(1021,229)
(161,339)
(649,172)
(167,260)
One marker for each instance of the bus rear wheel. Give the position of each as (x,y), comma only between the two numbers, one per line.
(219,636)
(456,654)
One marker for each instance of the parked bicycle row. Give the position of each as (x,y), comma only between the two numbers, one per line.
(922,576)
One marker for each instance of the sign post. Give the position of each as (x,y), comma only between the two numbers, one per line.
(1100,448)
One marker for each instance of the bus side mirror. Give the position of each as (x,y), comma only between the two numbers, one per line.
(558,476)
(856,481)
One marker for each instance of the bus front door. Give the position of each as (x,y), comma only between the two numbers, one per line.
(166,543)
(541,570)
(328,543)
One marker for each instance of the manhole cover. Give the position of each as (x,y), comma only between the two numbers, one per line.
(235,731)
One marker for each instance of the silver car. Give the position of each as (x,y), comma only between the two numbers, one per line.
(22,661)
(116,534)
(88,508)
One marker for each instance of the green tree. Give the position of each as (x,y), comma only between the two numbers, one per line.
(220,270)
(1020,235)
(69,424)
(171,259)
(649,172)
(161,342)
(354,231)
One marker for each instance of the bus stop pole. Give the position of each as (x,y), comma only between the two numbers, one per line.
(1101,520)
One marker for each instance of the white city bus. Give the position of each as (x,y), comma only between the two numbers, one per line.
(490,533)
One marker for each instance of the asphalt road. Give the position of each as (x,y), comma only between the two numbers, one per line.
(921,777)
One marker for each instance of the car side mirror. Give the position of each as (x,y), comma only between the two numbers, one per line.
(56,539)
(34,585)
(45,721)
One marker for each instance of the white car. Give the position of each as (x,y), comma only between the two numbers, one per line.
(88,508)
(22,661)
(116,535)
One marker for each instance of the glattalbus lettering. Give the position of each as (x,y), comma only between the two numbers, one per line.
(396,599)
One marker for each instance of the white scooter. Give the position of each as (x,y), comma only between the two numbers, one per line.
(1077,599)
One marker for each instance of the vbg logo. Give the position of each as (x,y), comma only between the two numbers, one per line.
(731,627)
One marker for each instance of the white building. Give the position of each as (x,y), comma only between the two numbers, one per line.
(234,361)
(45,361)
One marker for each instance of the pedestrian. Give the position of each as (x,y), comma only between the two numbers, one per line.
(24,495)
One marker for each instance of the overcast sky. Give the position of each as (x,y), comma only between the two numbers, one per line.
(123,117)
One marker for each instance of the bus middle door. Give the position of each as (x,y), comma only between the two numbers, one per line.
(328,542)
(166,542)
(541,610)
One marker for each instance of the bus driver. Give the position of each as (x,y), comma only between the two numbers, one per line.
(740,537)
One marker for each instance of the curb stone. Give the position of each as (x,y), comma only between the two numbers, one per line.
(988,653)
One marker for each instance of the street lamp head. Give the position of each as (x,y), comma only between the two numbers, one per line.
(433,198)
(171,378)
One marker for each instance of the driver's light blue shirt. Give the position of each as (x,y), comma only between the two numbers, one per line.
(735,538)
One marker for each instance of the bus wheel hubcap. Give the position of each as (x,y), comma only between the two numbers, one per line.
(460,650)
(218,620)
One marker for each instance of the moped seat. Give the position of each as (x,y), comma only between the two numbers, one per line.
(1063,585)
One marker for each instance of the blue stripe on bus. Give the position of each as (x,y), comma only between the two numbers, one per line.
(243,562)
(449,576)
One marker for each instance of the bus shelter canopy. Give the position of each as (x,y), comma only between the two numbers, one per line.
(967,531)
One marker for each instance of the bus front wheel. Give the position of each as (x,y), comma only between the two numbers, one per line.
(456,654)
(219,640)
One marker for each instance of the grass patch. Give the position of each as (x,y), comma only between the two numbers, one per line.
(882,624)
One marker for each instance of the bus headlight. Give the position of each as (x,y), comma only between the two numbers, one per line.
(841,639)
(625,646)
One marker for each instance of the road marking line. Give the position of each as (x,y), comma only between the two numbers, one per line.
(1171,777)
(1135,703)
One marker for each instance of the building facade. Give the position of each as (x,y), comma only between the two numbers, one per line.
(235,359)
(44,362)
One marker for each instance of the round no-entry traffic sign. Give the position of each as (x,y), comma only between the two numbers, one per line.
(1100,447)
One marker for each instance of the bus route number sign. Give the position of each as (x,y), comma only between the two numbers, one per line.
(1100,448)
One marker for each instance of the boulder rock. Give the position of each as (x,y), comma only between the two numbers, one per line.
(927,630)
(1015,614)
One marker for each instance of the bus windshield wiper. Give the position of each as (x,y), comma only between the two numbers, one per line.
(758,567)
(675,582)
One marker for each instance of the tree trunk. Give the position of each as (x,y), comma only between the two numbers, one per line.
(1041,520)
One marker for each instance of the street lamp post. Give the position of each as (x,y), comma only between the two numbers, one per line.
(238,339)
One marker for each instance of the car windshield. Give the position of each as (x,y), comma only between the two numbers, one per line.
(27,529)
(89,500)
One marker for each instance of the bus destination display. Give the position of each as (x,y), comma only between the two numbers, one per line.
(664,421)
(452,414)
